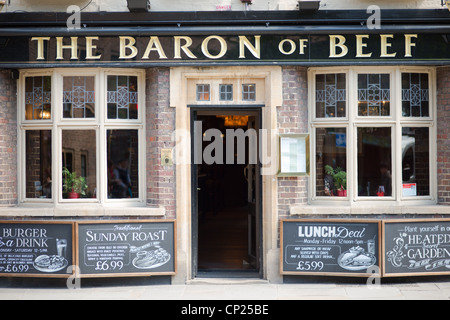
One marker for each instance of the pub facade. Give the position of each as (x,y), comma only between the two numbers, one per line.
(190,140)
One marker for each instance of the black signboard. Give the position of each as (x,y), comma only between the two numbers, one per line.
(126,248)
(416,247)
(171,50)
(36,249)
(330,247)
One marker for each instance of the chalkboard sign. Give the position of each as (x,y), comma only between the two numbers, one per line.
(36,249)
(416,247)
(330,247)
(126,248)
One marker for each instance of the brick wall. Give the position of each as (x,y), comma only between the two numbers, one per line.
(293,118)
(8,139)
(443,134)
(161,189)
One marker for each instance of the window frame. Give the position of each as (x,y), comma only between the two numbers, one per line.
(100,124)
(203,92)
(249,92)
(396,121)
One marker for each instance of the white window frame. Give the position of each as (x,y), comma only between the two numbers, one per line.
(100,123)
(353,121)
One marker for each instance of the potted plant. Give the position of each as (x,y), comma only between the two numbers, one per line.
(339,179)
(74,186)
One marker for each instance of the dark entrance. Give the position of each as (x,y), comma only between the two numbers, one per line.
(226,192)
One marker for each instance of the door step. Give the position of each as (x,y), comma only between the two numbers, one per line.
(226,281)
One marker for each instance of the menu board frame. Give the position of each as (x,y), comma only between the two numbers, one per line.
(328,221)
(385,252)
(125,274)
(285,156)
(44,274)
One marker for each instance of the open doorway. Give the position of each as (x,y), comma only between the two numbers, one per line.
(226,192)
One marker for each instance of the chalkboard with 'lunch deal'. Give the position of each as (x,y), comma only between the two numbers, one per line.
(36,249)
(330,247)
(416,247)
(126,248)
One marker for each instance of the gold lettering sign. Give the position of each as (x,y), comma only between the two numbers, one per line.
(339,49)
(215,47)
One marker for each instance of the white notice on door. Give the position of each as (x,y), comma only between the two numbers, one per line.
(410,189)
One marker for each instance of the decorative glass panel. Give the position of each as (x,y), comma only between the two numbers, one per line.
(79,97)
(226,92)
(374,95)
(79,159)
(249,92)
(203,92)
(374,162)
(331,95)
(123,164)
(122,97)
(39,164)
(38,98)
(415,162)
(331,162)
(415,95)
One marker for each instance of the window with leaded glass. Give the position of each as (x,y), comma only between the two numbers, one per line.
(374,95)
(415,95)
(381,147)
(122,97)
(79,97)
(331,95)
(38,98)
(87,130)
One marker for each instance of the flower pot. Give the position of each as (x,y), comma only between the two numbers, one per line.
(73,195)
(342,193)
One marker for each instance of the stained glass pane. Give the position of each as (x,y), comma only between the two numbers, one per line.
(38,98)
(79,97)
(331,95)
(122,97)
(374,95)
(415,95)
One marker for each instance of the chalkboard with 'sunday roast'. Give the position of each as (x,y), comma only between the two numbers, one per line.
(126,248)
(330,247)
(416,247)
(37,249)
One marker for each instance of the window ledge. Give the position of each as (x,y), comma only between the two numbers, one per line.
(96,211)
(369,209)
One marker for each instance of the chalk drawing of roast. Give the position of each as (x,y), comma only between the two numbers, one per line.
(151,259)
